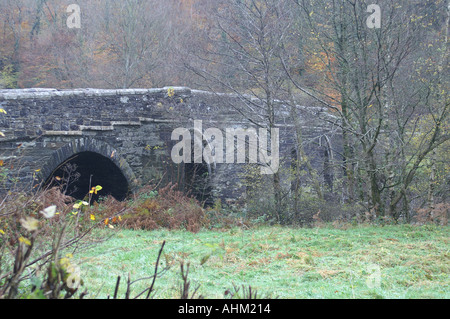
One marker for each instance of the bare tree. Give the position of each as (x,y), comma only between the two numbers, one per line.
(132,30)
(364,69)
(243,58)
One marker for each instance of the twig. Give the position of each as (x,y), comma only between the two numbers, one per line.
(117,287)
(150,289)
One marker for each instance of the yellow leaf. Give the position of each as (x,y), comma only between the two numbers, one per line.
(2,232)
(25,241)
(3,111)
(64,262)
(30,224)
(92,217)
(2,134)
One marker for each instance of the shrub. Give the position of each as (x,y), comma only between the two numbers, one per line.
(225,217)
(438,214)
(170,208)
(36,232)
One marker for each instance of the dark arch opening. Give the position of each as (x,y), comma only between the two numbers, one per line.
(84,170)
(197,182)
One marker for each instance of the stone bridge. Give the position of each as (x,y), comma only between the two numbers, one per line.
(122,140)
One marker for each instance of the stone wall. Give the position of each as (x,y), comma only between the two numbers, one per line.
(43,128)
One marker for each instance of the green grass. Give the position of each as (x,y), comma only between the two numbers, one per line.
(279,262)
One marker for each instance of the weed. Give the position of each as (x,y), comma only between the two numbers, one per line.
(437,214)
(169,208)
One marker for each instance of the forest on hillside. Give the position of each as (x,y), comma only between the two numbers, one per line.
(380,66)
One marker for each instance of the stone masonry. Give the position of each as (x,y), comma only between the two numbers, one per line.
(129,132)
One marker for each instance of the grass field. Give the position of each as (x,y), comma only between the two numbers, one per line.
(359,262)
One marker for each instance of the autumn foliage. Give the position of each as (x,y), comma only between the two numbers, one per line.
(386,87)
(170,209)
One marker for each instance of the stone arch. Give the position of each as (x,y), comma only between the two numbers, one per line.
(99,160)
(205,143)
(198,176)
